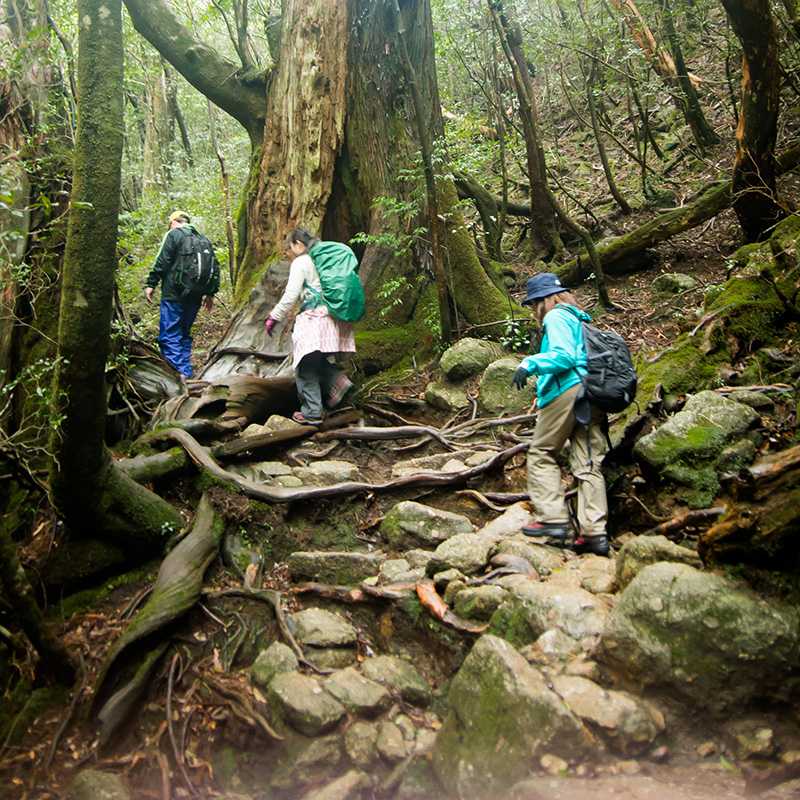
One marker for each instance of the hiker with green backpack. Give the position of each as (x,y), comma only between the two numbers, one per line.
(188,271)
(324,277)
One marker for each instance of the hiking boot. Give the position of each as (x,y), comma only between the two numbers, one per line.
(592,544)
(553,530)
(302,419)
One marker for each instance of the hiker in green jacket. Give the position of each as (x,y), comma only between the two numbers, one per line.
(317,336)
(188,272)
(560,366)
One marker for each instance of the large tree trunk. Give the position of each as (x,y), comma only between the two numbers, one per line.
(755,198)
(333,134)
(89,491)
(159,133)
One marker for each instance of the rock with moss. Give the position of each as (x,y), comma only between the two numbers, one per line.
(93,784)
(498,697)
(320,628)
(466,552)
(345,787)
(544,558)
(642,551)
(446,396)
(277,658)
(673,283)
(686,449)
(325,473)
(496,394)
(303,704)
(399,676)
(356,693)
(305,761)
(334,567)
(468,357)
(359,743)
(479,602)
(626,722)
(704,638)
(433,463)
(409,523)
(533,607)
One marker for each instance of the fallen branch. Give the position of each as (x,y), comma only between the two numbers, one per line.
(430,600)
(714,198)
(486,499)
(680,521)
(382,434)
(340,594)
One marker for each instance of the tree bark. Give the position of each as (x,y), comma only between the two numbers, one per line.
(755,197)
(89,491)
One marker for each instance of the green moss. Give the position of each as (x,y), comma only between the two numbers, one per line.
(24,707)
(749,309)
(90,598)
(512,623)
(381,349)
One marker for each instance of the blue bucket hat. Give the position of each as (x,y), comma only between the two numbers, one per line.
(540,286)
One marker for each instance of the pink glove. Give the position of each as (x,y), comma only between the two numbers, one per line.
(270,324)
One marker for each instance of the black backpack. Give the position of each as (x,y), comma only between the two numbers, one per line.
(196,268)
(610,380)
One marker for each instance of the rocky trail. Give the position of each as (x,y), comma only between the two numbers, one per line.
(353,612)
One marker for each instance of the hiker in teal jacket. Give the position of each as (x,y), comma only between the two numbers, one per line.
(560,366)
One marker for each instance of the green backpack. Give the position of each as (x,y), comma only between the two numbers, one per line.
(342,291)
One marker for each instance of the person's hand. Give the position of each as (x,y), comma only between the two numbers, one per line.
(208,302)
(520,378)
(148,293)
(270,324)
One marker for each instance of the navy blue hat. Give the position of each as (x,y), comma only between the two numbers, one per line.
(540,286)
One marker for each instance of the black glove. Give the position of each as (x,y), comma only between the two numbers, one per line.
(520,378)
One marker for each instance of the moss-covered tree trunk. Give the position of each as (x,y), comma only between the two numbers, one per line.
(755,198)
(334,132)
(92,494)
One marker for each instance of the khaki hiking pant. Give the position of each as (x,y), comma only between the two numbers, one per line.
(554,426)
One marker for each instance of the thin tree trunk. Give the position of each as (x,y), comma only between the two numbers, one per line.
(426,151)
(601,148)
(703,133)
(755,196)
(226,193)
(664,65)
(544,232)
(88,490)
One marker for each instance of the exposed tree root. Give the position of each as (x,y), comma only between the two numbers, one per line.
(176,590)
(680,521)
(430,599)
(279,494)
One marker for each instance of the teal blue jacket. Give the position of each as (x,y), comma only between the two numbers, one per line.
(561,361)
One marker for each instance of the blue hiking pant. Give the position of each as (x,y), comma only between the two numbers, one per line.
(174,329)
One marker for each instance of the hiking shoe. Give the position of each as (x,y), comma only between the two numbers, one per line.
(592,544)
(553,530)
(302,419)
(340,389)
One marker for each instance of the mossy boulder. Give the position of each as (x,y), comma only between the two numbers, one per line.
(398,676)
(673,283)
(688,447)
(642,551)
(496,394)
(380,349)
(334,567)
(303,704)
(479,602)
(497,697)
(409,523)
(468,357)
(703,638)
(93,784)
(277,658)
(446,396)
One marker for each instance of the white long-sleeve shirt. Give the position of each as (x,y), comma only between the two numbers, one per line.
(301,273)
